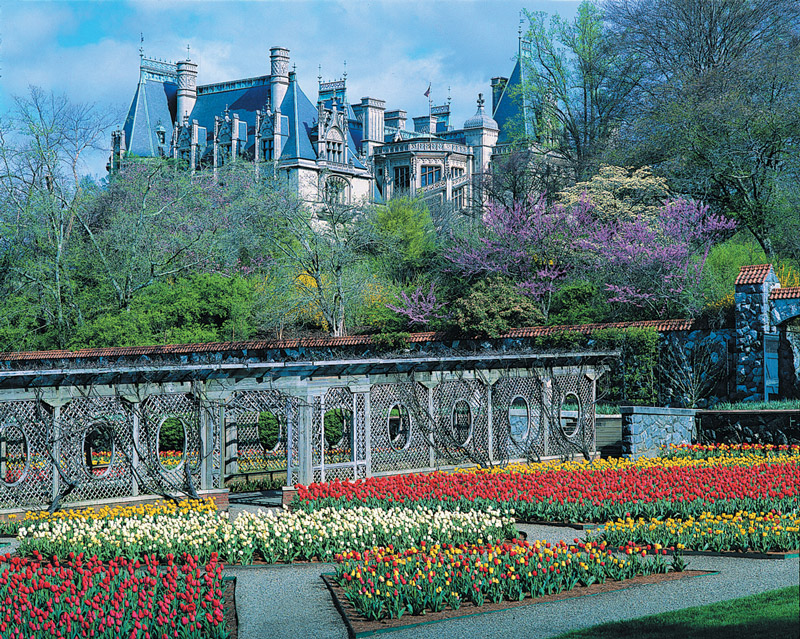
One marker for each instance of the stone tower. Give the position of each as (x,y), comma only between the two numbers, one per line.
(372,111)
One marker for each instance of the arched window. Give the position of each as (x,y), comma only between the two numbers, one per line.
(337,190)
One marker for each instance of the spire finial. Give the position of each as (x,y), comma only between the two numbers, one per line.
(481,101)
(344,75)
(141,44)
(319,73)
(188,49)
(448,96)
(521,22)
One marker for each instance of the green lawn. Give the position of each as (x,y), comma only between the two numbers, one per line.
(769,615)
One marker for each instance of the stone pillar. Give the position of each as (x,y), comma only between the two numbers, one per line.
(753,324)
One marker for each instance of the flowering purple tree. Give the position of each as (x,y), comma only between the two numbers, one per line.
(530,243)
(655,264)
(420,308)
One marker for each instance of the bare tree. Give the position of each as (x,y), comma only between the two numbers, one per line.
(322,245)
(690,373)
(43,144)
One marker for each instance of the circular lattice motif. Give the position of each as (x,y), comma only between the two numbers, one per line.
(172,432)
(570,415)
(99,450)
(462,422)
(519,419)
(399,424)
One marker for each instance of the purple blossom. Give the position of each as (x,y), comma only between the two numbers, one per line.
(419,308)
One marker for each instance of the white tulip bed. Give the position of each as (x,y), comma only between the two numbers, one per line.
(251,537)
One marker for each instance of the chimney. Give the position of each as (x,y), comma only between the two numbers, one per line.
(425,124)
(373,121)
(396,119)
(187,89)
(279,72)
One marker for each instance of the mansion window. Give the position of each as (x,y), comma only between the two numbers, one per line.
(457,172)
(268,149)
(334,152)
(459,201)
(430,175)
(402,179)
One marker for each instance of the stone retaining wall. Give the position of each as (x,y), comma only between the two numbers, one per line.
(646,429)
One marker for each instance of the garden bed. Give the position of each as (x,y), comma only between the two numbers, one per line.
(359,626)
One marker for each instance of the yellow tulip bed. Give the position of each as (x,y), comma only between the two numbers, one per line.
(742,531)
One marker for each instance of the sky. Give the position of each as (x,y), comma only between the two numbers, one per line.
(391,50)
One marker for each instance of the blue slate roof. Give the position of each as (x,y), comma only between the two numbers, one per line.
(302,118)
(244,102)
(509,111)
(153,103)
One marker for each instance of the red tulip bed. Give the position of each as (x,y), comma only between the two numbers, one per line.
(578,495)
(84,597)
(387,584)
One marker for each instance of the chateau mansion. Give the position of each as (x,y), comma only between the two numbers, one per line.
(329,147)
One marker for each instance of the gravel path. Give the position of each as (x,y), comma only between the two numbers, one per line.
(292,601)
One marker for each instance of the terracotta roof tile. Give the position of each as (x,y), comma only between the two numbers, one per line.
(325,342)
(755,274)
(788,293)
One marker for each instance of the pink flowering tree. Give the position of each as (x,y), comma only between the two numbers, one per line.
(655,264)
(422,309)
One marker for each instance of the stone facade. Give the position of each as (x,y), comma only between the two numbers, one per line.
(646,429)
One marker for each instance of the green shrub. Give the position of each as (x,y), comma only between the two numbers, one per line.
(171,435)
(633,379)
(494,306)
(335,421)
(269,431)
(391,341)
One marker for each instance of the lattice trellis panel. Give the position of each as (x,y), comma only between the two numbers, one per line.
(517,419)
(170,470)
(571,431)
(96,448)
(242,415)
(400,450)
(460,436)
(26,471)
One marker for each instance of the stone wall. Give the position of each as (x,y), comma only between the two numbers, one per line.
(696,367)
(646,429)
(778,427)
